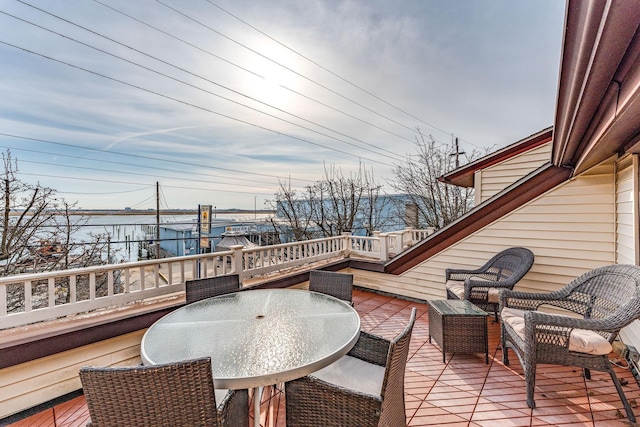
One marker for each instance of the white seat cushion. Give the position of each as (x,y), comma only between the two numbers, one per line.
(354,374)
(580,340)
(457,287)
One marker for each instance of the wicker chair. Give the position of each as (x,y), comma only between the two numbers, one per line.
(199,289)
(364,388)
(176,394)
(607,299)
(481,286)
(339,285)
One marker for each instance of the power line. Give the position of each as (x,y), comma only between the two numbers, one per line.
(136,183)
(132,173)
(253,73)
(205,90)
(325,68)
(284,66)
(189,104)
(123,163)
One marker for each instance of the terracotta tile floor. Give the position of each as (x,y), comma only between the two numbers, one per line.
(464,391)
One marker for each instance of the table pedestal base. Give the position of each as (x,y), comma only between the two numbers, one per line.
(257,398)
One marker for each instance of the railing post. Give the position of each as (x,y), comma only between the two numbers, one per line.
(382,244)
(236,260)
(347,244)
(410,240)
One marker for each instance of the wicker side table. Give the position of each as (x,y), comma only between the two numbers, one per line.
(458,326)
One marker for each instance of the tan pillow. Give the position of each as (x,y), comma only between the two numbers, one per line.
(457,287)
(580,340)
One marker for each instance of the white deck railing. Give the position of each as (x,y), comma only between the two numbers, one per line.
(30,298)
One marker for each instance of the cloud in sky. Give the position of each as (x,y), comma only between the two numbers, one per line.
(221,100)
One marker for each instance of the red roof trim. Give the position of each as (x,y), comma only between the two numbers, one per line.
(463,176)
(513,197)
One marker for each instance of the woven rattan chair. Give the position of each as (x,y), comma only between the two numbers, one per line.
(339,285)
(482,285)
(199,289)
(364,388)
(607,299)
(176,394)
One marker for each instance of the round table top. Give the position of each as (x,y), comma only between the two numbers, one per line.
(256,337)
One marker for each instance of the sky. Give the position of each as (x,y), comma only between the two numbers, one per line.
(221,102)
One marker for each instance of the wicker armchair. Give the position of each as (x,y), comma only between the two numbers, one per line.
(176,394)
(364,388)
(199,289)
(607,299)
(339,285)
(482,286)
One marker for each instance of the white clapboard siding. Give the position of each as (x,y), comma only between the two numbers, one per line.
(38,381)
(496,178)
(627,211)
(569,229)
(627,229)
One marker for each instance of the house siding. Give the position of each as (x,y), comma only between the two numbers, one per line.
(28,384)
(494,179)
(569,229)
(627,210)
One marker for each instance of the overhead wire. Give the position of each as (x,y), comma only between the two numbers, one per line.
(325,68)
(205,90)
(253,73)
(139,156)
(191,179)
(121,163)
(135,183)
(284,66)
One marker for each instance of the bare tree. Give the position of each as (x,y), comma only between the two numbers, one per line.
(293,216)
(435,203)
(36,235)
(332,205)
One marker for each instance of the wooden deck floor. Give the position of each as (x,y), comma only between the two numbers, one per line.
(464,391)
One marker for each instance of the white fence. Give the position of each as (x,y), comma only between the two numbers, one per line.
(29,298)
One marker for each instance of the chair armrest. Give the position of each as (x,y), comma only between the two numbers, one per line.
(460,274)
(529,300)
(371,348)
(608,324)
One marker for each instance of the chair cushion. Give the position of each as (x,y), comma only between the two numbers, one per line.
(457,287)
(580,340)
(354,374)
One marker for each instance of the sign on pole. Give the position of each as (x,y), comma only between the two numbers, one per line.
(205,219)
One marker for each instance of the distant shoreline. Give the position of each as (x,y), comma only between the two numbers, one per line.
(97,212)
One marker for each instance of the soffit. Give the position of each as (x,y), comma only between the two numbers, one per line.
(598,109)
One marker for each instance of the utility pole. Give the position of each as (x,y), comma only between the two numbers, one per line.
(457,153)
(157,220)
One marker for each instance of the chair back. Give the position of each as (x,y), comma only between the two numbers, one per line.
(339,285)
(510,265)
(393,407)
(176,394)
(611,292)
(199,289)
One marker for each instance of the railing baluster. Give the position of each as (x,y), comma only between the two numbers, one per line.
(3,300)
(51,290)
(28,297)
(110,283)
(92,286)
(73,291)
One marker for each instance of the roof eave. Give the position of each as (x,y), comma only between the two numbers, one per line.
(464,176)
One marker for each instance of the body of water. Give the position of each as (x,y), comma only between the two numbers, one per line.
(126,232)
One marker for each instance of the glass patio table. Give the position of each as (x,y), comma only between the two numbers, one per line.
(256,337)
